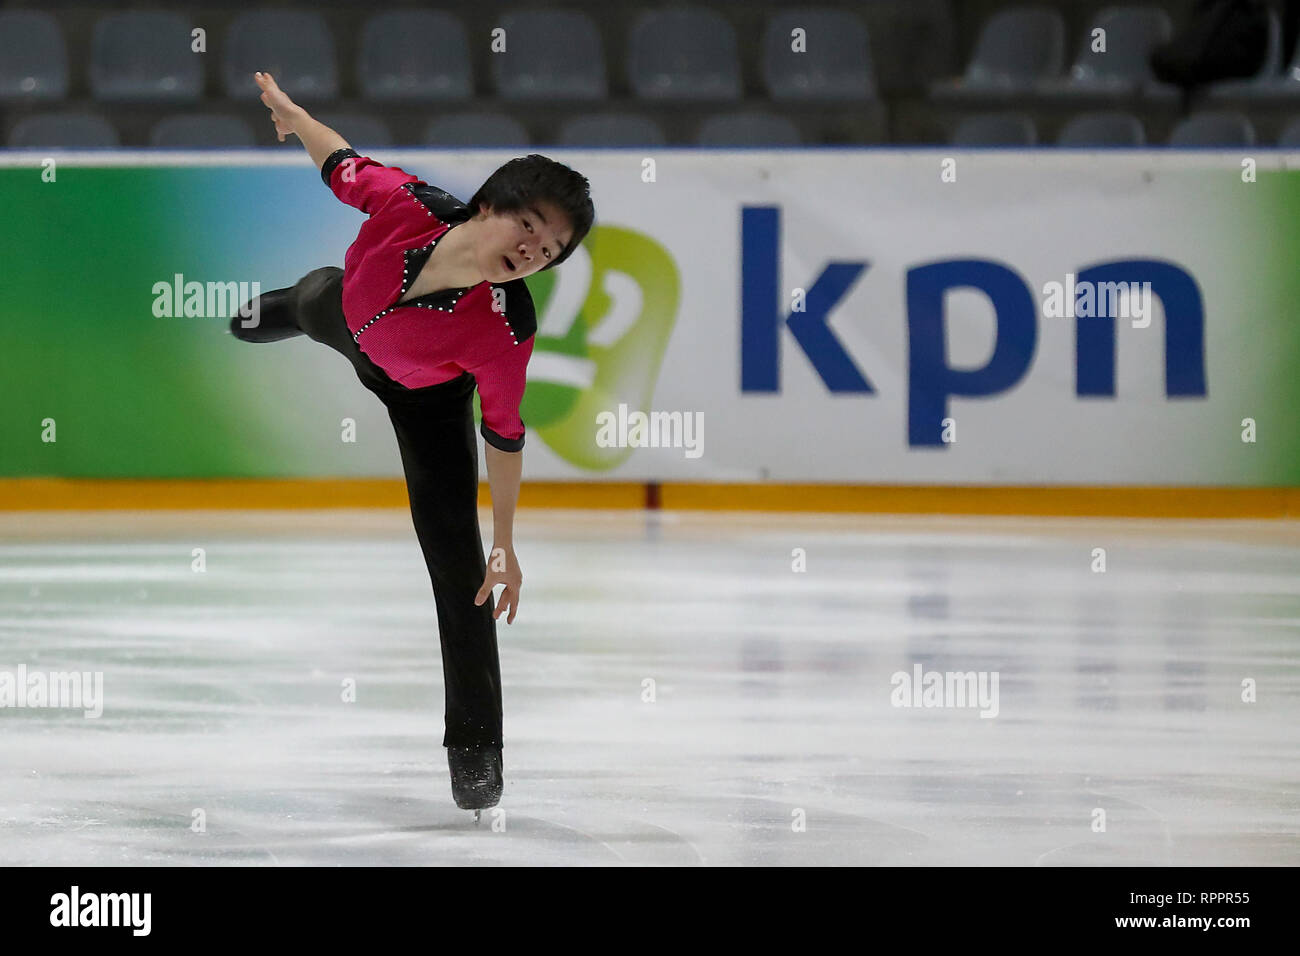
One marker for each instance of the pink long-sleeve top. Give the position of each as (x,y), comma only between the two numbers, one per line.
(437,337)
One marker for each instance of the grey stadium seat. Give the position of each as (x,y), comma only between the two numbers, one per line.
(359,129)
(1124,68)
(683,54)
(1271,83)
(294,46)
(201,132)
(476,129)
(1290,138)
(1018,48)
(750,128)
(33,57)
(550,54)
(1103,129)
(995,129)
(63,130)
(922,45)
(414,55)
(142,55)
(611,129)
(835,63)
(1224,128)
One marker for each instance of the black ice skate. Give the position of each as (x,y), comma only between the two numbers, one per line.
(275,320)
(476,782)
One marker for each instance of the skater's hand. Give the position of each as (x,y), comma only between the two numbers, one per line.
(502,568)
(284,111)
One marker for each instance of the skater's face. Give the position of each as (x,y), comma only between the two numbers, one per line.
(520,242)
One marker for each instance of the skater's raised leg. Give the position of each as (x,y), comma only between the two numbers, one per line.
(268,318)
(312,306)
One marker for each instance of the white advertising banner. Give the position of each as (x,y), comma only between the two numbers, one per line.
(919,317)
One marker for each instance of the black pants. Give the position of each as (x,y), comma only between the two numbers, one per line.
(439,449)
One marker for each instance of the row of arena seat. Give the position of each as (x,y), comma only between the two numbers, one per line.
(681,54)
(425,55)
(224,130)
(1227,129)
(1223,128)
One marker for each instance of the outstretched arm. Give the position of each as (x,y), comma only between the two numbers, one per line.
(364,183)
(289,117)
(504,468)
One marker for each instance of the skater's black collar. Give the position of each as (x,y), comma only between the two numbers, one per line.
(519,310)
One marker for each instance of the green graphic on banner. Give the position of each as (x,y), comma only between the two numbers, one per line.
(621,370)
(1274,318)
(95,383)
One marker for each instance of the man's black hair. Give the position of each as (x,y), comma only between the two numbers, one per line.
(523,181)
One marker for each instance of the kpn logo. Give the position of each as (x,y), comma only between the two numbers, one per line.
(604,320)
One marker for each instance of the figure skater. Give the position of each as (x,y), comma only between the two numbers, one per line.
(430,304)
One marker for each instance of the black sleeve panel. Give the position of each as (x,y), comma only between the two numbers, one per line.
(496,441)
(333,159)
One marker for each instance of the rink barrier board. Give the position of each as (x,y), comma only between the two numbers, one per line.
(681,302)
(54,494)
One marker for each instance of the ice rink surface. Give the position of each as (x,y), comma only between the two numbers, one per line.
(676,692)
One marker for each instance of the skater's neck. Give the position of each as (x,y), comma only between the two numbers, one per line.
(457,267)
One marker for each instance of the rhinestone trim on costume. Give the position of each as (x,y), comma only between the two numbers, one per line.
(406,284)
(406,279)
